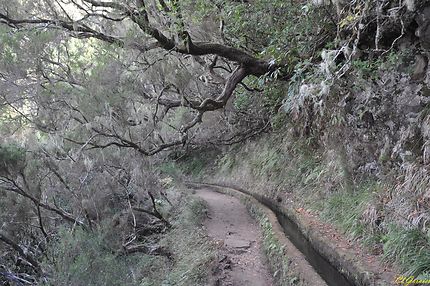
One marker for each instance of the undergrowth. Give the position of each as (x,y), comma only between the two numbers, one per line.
(192,164)
(410,248)
(80,257)
(345,209)
(194,252)
(86,258)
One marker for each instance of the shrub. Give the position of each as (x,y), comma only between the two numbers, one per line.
(86,258)
(12,158)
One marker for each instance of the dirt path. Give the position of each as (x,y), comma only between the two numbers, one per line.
(241,261)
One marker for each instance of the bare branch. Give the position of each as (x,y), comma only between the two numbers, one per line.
(18,190)
(154,212)
(82,31)
(21,252)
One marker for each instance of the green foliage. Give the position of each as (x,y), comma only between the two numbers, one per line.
(295,167)
(10,121)
(410,248)
(273,96)
(372,67)
(225,163)
(195,162)
(283,31)
(9,45)
(289,32)
(87,258)
(346,209)
(169,168)
(305,173)
(193,251)
(193,166)
(19,48)
(12,157)
(366,67)
(242,100)
(279,120)
(268,162)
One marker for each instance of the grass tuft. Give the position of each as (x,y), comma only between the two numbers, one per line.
(346,210)
(194,253)
(410,248)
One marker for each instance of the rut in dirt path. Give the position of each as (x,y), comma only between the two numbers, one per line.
(241,261)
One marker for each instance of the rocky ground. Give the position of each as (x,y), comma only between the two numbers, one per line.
(241,260)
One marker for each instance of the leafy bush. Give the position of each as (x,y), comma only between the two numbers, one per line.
(12,157)
(242,100)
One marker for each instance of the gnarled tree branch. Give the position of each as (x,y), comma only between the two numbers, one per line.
(247,64)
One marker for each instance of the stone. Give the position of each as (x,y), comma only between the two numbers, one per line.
(420,68)
(238,243)
(423,31)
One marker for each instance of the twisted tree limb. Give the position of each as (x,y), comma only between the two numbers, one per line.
(247,64)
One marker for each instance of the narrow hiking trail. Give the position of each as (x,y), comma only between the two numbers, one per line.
(241,260)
